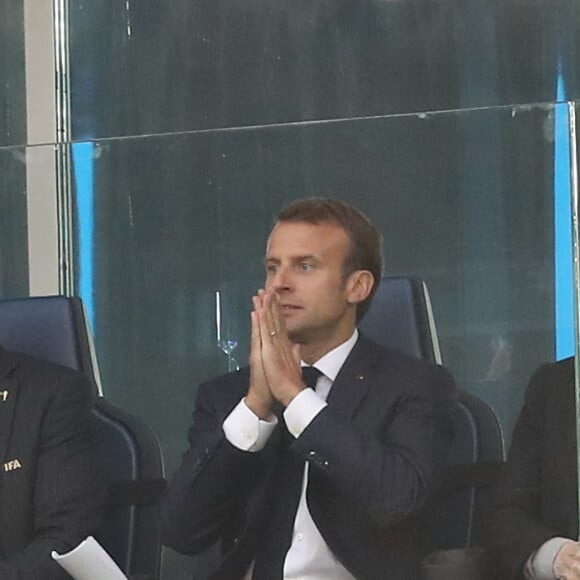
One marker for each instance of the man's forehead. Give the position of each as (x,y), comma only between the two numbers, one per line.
(302,239)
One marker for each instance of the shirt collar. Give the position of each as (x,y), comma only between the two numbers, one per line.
(331,363)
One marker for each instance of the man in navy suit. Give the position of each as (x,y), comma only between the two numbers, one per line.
(317,473)
(532,514)
(51,496)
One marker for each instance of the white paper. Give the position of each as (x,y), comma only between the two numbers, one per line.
(89,561)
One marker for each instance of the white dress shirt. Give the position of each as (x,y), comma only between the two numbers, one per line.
(308,557)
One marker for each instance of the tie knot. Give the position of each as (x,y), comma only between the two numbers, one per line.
(310,376)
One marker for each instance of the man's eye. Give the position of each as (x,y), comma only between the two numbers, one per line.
(271,269)
(305,266)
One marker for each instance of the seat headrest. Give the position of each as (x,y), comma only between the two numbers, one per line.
(400,318)
(44,328)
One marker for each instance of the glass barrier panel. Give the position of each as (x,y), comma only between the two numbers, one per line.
(170,233)
(200,65)
(12,74)
(574,112)
(28,221)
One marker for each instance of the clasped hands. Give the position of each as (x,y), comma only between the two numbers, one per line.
(567,562)
(275,374)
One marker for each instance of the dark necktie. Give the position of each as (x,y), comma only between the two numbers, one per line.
(271,552)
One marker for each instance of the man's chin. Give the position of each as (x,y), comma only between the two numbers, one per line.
(295,335)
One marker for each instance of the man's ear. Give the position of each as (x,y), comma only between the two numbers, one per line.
(359,286)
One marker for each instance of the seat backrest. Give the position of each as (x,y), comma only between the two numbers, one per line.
(47,328)
(401,317)
(54,328)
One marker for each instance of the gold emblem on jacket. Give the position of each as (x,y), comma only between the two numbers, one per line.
(12,465)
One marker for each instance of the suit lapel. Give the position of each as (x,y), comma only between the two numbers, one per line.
(8,396)
(354,379)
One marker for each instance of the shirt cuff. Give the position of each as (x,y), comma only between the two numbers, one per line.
(540,565)
(301,410)
(245,430)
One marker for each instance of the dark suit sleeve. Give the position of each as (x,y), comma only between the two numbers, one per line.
(513,518)
(67,492)
(205,493)
(390,472)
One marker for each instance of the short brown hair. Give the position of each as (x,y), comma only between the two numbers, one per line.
(365,239)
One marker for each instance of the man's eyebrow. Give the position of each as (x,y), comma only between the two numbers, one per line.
(301,258)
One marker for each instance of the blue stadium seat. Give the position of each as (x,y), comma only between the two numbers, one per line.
(55,329)
(401,317)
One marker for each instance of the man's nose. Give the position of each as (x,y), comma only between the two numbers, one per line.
(281,280)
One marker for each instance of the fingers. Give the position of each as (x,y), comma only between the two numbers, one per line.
(277,360)
(277,336)
(271,318)
(275,345)
(268,331)
(265,319)
(296,353)
(271,326)
(259,397)
(567,562)
(575,567)
(255,342)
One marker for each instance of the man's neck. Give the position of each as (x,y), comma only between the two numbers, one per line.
(312,352)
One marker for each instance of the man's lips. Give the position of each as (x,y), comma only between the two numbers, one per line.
(290,307)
